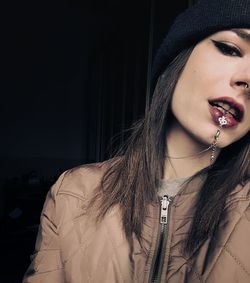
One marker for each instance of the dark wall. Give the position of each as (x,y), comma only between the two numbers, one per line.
(74,75)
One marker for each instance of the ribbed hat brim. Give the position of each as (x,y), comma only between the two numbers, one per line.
(196,23)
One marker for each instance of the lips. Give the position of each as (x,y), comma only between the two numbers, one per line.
(227,107)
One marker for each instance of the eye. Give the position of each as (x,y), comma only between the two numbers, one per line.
(227,49)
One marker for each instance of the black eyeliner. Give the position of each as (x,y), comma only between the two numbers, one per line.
(226,49)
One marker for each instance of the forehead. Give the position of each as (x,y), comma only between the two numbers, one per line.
(237,32)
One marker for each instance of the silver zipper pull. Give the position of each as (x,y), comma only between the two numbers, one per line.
(165,201)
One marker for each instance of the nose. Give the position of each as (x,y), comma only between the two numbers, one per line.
(241,81)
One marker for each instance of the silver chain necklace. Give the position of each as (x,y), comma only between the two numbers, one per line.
(191,155)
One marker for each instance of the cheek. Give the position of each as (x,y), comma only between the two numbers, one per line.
(188,91)
(194,79)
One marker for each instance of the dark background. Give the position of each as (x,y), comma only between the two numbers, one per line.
(74,74)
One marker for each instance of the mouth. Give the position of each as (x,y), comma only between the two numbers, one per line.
(228,107)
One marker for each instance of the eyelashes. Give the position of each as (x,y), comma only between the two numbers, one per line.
(227,49)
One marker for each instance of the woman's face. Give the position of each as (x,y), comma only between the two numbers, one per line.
(214,83)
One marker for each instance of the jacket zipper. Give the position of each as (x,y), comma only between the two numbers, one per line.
(158,259)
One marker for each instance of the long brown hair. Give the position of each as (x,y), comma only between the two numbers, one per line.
(132,180)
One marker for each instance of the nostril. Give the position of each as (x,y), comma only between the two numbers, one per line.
(245,85)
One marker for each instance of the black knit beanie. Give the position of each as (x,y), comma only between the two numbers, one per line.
(194,24)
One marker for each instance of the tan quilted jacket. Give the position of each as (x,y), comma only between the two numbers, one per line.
(71,248)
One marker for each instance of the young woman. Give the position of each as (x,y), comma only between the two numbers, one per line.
(174,204)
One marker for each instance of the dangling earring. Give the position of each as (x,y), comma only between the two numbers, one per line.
(222,121)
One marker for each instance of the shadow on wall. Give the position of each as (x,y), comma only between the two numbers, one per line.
(22,200)
(74,76)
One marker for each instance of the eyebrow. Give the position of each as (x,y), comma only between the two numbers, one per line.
(242,34)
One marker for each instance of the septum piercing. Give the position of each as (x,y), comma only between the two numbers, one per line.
(246,87)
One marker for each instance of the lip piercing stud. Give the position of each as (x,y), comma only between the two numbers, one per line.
(246,86)
(222,121)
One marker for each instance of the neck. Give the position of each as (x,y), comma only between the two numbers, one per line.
(185,155)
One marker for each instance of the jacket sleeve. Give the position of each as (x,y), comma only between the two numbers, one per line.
(46,265)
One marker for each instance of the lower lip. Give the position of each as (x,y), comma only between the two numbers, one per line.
(216,114)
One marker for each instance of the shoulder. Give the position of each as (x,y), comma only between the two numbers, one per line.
(240,199)
(80,181)
(68,197)
(246,188)
(246,196)
(242,191)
